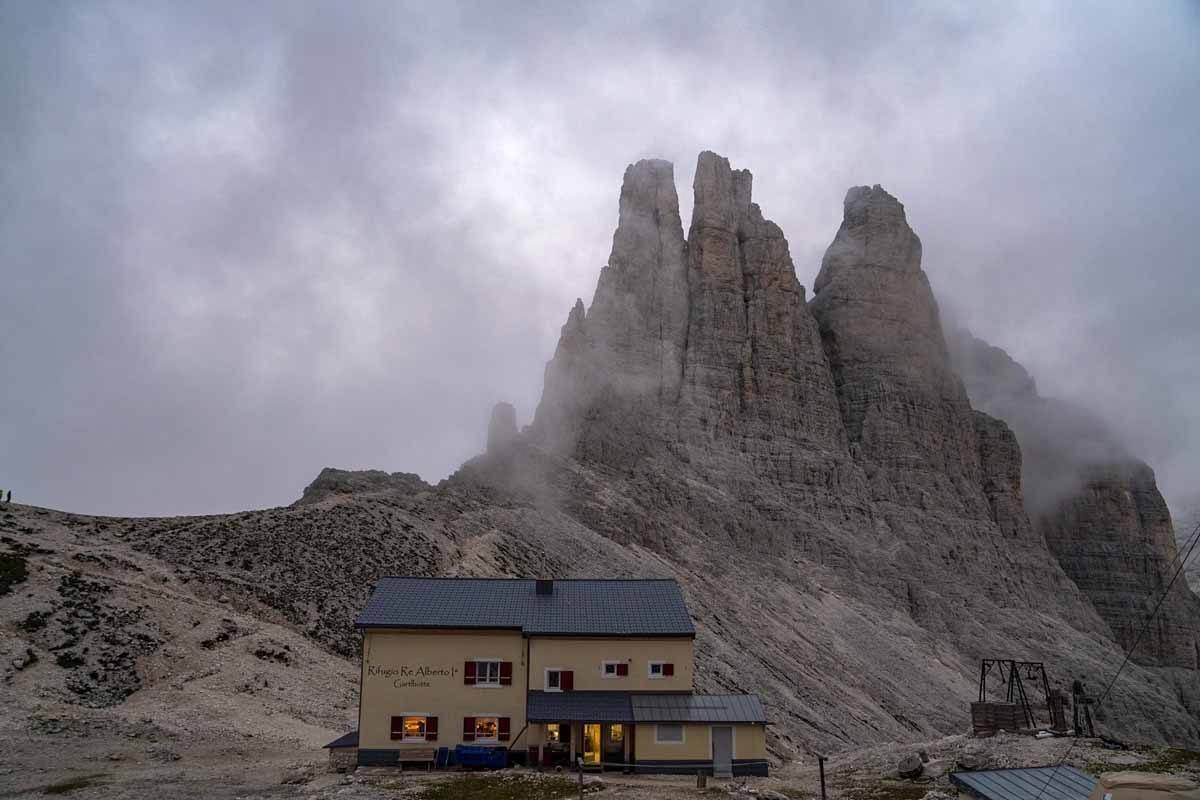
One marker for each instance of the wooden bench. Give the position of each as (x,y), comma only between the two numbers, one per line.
(414,755)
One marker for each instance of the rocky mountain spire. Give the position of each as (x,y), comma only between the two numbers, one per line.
(904,408)
(627,350)
(502,427)
(754,367)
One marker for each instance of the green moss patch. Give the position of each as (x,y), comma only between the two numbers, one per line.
(888,790)
(504,787)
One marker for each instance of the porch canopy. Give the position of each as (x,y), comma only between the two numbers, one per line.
(579,707)
(643,707)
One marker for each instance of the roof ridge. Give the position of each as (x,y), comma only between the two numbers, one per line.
(455,577)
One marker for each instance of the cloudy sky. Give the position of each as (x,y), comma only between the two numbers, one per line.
(240,242)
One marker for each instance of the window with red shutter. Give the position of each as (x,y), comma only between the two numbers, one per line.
(622,670)
(506,673)
(566,680)
(431,729)
(469,673)
(668,669)
(468,729)
(505,729)
(397,727)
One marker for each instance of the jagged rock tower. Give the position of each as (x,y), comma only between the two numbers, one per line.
(703,409)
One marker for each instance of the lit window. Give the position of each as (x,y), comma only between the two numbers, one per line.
(487,728)
(553,732)
(554,680)
(487,673)
(668,734)
(414,728)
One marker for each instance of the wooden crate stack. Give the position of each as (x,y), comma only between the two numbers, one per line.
(987,718)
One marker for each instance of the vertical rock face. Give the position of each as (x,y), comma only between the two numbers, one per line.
(1099,509)
(689,341)
(1115,539)
(623,358)
(1000,467)
(754,367)
(905,410)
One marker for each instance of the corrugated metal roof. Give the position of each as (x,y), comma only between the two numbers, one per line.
(579,707)
(1050,783)
(697,708)
(587,607)
(345,740)
(640,707)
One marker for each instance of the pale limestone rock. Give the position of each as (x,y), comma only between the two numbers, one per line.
(904,408)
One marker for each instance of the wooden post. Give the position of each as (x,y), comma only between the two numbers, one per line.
(821,766)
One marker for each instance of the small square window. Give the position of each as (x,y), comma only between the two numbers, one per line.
(414,728)
(668,734)
(614,669)
(553,680)
(486,728)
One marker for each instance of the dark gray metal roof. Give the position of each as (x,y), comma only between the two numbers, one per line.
(1050,783)
(345,740)
(578,707)
(697,708)
(585,607)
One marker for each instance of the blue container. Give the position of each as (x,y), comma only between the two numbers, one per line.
(481,756)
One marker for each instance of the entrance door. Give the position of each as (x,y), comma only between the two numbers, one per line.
(722,751)
(614,744)
(591,744)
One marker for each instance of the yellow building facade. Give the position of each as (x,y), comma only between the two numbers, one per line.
(555,672)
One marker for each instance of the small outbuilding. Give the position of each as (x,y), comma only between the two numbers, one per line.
(343,752)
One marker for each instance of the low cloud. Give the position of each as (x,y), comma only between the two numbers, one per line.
(246,242)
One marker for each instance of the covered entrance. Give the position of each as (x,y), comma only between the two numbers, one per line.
(593,727)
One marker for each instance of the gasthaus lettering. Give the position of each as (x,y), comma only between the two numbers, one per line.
(488,672)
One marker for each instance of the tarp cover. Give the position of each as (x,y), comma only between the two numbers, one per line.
(1145,786)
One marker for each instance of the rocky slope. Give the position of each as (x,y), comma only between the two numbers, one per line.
(116,663)
(850,533)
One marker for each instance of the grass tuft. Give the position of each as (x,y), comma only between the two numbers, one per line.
(12,572)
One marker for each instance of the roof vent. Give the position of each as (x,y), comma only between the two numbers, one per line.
(545,587)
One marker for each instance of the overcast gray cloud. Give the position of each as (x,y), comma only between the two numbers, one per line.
(242,242)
